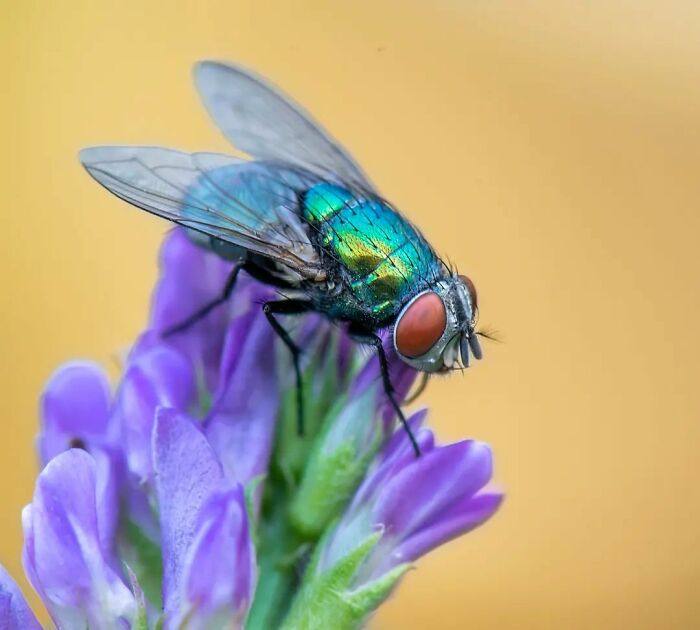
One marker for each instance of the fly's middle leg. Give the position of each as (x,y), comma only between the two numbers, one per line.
(289,307)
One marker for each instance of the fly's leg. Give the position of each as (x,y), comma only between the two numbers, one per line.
(209,307)
(289,307)
(371,339)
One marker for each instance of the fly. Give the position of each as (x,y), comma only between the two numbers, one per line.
(301,215)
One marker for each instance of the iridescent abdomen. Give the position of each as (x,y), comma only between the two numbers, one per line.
(384,260)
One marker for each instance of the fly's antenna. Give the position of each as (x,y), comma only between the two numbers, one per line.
(491,335)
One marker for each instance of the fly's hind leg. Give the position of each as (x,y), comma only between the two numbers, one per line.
(289,307)
(209,307)
(369,338)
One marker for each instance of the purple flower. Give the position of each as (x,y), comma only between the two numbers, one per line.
(209,560)
(75,412)
(187,497)
(404,508)
(15,613)
(64,556)
(220,575)
(418,504)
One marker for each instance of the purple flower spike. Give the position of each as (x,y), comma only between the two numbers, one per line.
(15,613)
(64,556)
(220,569)
(74,410)
(141,517)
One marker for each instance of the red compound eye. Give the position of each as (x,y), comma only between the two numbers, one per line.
(421,325)
(471,288)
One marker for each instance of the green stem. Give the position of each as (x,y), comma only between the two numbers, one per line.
(277,551)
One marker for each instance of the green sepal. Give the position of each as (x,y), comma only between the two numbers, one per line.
(276,548)
(326,484)
(321,382)
(327,600)
(335,468)
(253,516)
(141,618)
(203,398)
(144,559)
(368,598)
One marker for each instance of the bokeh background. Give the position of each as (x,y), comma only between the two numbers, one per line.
(550,148)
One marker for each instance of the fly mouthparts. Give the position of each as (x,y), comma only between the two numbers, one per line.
(467,343)
(475,346)
(464,350)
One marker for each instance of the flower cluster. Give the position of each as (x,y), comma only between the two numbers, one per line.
(185,498)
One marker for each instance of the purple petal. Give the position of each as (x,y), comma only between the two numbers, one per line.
(399,440)
(241,423)
(108,480)
(396,455)
(137,504)
(220,567)
(402,374)
(430,485)
(74,407)
(156,376)
(369,375)
(461,517)
(75,410)
(15,613)
(28,551)
(346,348)
(402,377)
(187,474)
(190,278)
(64,556)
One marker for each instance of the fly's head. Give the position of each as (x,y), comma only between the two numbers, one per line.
(434,331)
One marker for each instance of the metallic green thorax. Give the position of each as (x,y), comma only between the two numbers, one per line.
(382,258)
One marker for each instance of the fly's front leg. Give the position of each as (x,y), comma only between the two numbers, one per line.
(209,307)
(289,307)
(370,338)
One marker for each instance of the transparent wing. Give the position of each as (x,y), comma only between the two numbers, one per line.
(249,204)
(258,119)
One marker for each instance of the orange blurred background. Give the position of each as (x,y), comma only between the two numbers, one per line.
(550,149)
